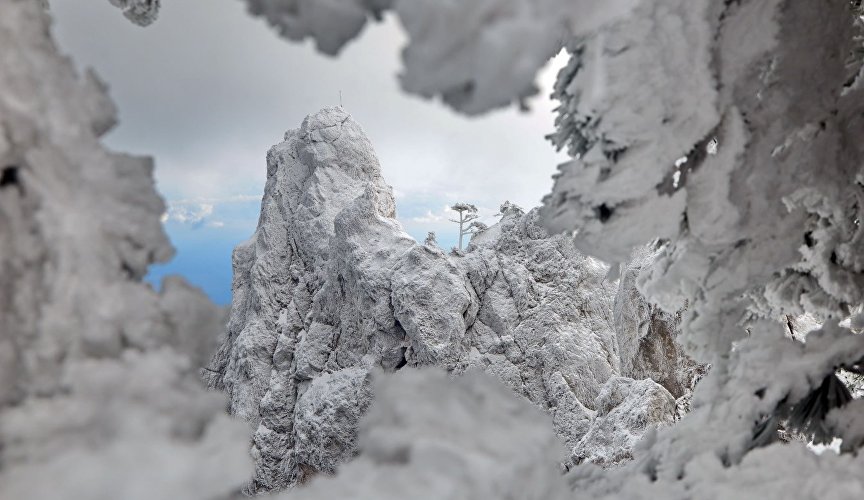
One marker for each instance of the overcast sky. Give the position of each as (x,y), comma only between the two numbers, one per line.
(207,90)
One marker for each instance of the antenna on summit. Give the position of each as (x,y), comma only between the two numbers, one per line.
(340,98)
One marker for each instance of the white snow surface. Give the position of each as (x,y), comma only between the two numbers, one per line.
(762,229)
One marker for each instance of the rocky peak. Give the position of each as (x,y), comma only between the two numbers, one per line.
(330,288)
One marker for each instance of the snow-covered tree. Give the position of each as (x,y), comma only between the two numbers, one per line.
(467,219)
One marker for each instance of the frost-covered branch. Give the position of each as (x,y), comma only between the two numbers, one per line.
(475,56)
(100,395)
(140,12)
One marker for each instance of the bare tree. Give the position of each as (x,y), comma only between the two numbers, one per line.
(467,217)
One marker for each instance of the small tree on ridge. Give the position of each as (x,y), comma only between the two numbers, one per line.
(467,216)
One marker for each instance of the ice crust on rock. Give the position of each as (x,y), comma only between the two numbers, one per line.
(330,289)
(100,396)
(328,414)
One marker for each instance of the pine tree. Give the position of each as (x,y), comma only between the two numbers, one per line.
(467,216)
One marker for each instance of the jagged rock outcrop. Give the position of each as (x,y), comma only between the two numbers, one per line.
(626,408)
(99,390)
(309,296)
(544,324)
(330,288)
(647,335)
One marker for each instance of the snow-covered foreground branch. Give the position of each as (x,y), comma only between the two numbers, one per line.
(99,397)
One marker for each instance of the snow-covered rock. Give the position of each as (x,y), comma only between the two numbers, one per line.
(327,417)
(330,288)
(626,408)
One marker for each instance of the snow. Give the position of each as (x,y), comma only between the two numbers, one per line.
(613,122)
(761,222)
(330,23)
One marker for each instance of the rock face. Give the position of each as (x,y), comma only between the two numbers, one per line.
(647,335)
(626,408)
(330,288)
